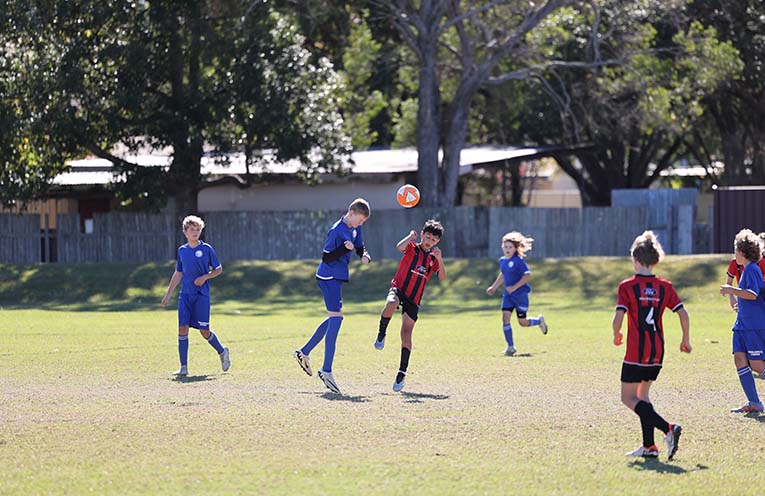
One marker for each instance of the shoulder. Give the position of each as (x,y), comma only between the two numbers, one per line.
(627,281)
(664,282)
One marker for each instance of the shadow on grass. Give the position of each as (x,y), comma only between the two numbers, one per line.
(654,465)
(345,397)
(418,397)
(520,355)
(194,378)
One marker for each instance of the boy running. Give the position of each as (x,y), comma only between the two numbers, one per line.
(197,263)
(419,262)
(343,237)
(643,297)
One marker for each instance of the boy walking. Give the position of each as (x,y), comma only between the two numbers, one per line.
(343,237)
(196,264)
(643,297)
(419,262)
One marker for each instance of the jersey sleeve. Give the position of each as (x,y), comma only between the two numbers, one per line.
(674,302)
(332,241)
(214,262)
(522,268)
(435,267)
(178,263)
(751,280)
(623,297)
(733,269)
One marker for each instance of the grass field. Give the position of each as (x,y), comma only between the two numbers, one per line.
(88,405)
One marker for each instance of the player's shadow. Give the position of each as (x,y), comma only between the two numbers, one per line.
(419,397)
(655,465)
(520,355)
(345,397)
(194,378)
(756,416)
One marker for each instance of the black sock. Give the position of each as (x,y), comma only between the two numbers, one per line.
(383,327)
(643,410)
(658,421)
(405,352)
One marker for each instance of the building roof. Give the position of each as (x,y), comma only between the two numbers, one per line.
(98,171)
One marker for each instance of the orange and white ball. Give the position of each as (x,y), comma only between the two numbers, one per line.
(408,196)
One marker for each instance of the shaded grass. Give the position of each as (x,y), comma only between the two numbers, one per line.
(87,404)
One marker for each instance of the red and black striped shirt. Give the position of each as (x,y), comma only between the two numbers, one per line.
(644,298)
(414,271)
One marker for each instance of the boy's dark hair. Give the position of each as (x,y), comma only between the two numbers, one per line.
(647,250)
(748,244)
(433,227)
(360,206)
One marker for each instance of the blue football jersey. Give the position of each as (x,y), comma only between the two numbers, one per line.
(751,313)
(513,269)
(338,234)
(195,262)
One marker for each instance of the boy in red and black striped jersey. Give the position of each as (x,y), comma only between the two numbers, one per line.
(419,262)
(643,297)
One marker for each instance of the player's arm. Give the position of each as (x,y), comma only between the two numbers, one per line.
(495,285)
(731,298)
(174,280)
(523,280)
(616,325)
(441,266)
(363,254)
(685,325)
(210,275)
(744,294)
(331,256)
(401,245)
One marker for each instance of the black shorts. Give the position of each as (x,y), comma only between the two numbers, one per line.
(637,373)
(407,306)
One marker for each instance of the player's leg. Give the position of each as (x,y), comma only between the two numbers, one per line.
(201,321)
(507,330)
(391,304)
(758,367)
(521,307)
(408,319)
(301,354)
(184,318)
(333,299)
(745,377)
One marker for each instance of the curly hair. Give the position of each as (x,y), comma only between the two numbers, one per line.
(433,227)
(522,243)
(193,220)
(748,244)
(646,249)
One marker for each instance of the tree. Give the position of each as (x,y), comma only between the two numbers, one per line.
(198,77)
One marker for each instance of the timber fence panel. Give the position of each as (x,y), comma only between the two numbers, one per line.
(20,238)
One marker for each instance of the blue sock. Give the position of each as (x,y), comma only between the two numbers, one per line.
(532,321)
(183,349)
(333,329)
(508,330)
(213,340)
(318,335)
(747,382)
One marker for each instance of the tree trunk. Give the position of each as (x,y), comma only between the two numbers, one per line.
(428,124)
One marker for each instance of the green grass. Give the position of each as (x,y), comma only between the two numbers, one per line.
(87,403)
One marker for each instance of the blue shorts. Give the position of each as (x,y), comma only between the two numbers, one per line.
(332,289)
(516,301)
(750,342)
(194,311)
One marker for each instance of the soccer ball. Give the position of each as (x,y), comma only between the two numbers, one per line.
(408,196)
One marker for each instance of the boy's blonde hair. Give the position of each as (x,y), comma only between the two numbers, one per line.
(360,206)
(190,220)
(647,250)
(762,242)
(748,244)
(522,243)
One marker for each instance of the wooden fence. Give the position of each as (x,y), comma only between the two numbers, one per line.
(471,232)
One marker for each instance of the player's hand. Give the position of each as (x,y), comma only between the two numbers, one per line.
(733,303)
(199,280)
(726,289)
(348,245)
(412,235)
(165,300)
(490,290)
(685,347)
(618,337)
(436,252)
(365,259)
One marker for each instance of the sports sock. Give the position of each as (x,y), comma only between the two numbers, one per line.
(508,330)
(213,340)
(384,321)
(405,352)
(330,341)
(183,349)
(318,335)
(747,383)
(643,409)
(533,321)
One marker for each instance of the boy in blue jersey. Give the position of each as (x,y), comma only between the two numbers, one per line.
(514,275)
(343,237)
(197,263)
(749,328)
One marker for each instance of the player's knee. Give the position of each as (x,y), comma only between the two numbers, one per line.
(523,322)
(205,333)
(339,313)
(183,331)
